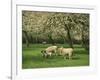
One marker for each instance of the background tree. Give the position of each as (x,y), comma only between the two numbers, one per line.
(55,27)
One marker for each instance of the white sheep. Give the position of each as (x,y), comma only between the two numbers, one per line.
(49,51)
(66,51)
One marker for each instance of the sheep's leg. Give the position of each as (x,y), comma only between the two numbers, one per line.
(50,54)
(43,55)
(47,56)
(65,57)
(60,52)
(70,56)
(55,52)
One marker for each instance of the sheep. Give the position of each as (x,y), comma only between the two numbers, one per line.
(49,51)
(66,51)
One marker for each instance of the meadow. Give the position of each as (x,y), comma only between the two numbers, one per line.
(32,57)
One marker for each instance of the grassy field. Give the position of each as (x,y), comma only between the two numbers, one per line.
(32,58)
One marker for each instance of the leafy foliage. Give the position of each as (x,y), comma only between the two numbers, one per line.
(55,27)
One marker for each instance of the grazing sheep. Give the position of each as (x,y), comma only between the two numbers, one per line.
(66,51)
(49,51)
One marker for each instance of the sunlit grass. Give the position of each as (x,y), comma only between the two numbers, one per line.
(32,58)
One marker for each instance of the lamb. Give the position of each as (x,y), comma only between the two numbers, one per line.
(49,51)
(66,51)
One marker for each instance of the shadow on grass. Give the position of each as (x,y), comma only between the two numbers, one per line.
(76,58)
(32,58)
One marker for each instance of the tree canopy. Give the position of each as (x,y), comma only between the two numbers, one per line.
(55,27)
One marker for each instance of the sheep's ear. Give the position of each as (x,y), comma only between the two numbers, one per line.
(43,51)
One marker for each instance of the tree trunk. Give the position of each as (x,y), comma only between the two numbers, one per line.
(26,38)
(69,35)
(82,38)
(85,42)
(51,40)
(64,39)
(85,39)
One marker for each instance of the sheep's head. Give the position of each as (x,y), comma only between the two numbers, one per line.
(43,51)
(60,50)
(44,54)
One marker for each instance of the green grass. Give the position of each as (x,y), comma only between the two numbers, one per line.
(32,58)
